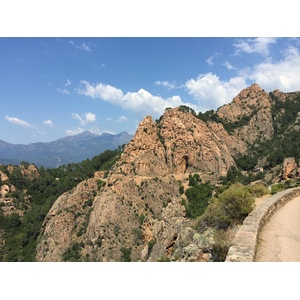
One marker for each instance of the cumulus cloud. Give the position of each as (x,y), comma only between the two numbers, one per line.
(87,118)
(18,121)
(167,84)
(260,45)
(283,75)
(141,102)
(211,92)
(48,123)
(102,91)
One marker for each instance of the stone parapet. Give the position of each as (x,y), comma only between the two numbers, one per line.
(244,244)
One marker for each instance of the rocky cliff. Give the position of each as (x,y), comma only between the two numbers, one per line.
(136,212)
(251,112)
(179,143)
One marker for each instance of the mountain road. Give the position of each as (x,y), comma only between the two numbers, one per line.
(279,240)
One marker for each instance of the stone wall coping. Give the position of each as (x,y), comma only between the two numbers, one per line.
(244,244)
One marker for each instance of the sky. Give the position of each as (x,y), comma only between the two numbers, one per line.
(53,87)
(58,79)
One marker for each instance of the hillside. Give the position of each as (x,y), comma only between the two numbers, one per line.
(70,149)
(169,195)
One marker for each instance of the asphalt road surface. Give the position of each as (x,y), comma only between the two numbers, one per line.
(279,240)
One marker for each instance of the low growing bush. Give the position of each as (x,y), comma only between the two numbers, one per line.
(229,208)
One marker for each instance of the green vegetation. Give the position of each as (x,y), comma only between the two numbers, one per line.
(222,243)
(21,234)
(72,254)
(228,208)
(284,115)
(198,195)
(126,254)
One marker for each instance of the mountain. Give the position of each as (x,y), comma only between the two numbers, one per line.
(171,194)
(62,151)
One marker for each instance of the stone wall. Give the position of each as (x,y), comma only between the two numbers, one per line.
(244,244)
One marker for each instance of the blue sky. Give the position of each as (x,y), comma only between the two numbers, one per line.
(52,87)
(103,68)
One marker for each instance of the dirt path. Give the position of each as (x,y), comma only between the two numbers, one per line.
(280,238)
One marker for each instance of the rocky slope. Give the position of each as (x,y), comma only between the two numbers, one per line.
(136,212)
(251,108)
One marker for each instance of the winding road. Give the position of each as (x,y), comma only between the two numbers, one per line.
(279,240)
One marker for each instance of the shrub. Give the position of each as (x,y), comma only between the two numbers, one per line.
(141,218)
(72,253)
(277,188)
(198,197)
(126,254)
(151,243)
(231,207)
(181,189)
(222,243)
(99,242)
(258,190)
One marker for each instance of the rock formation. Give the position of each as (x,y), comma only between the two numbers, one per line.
(137,210)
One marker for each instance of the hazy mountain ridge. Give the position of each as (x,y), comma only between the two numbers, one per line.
(62,151)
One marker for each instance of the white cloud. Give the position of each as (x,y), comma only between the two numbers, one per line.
(102,91)
(63,91)
(74,131)
(228,65)
(283,75)
(88,118)
(210,60)
(258,45)
(145,103)
(122,119)
(68,82)
(95,130)
(211,92)
(141,102)
(167,84)
(18,121)
(48,123)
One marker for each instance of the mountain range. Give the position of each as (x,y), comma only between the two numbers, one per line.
(70,149)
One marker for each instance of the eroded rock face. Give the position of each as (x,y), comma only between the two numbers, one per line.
(64,222)
(290,169)
(179,143)
(3,176)
(123,215)
(252,108)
